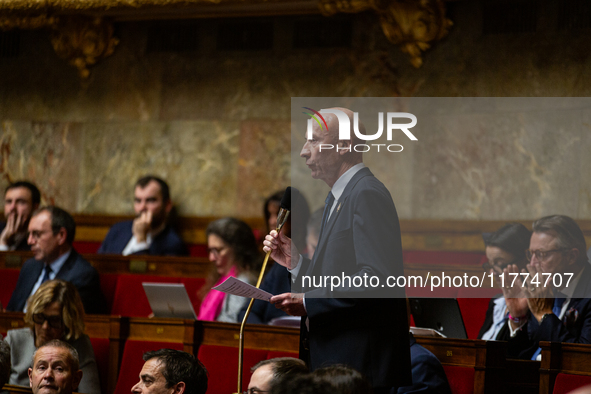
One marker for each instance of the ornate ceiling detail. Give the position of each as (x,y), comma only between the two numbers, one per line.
(83,41)
(82,30)
(413,25)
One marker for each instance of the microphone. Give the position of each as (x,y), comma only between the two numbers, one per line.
(284,208)
(284,211)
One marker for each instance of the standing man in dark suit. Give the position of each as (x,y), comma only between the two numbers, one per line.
(51,233)
(360,236)
(149,232)
(20,200)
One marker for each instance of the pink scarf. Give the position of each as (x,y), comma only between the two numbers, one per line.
(211,306)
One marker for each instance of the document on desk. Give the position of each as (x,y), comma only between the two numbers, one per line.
(237,287)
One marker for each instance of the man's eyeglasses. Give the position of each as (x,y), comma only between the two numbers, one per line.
(254,391)
(38,234)
(541,254)
(54,321)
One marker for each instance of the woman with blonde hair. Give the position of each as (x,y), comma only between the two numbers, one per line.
(55,311)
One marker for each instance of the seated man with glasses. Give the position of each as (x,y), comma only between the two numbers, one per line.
(171,371)
(55,311)
(556,284)
(51,233)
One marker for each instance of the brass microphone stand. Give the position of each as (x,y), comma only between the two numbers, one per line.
(281,219)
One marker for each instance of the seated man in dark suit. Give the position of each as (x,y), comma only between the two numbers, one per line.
(51,233)
(560,308)
(428,375)
(149,232)
(20,200)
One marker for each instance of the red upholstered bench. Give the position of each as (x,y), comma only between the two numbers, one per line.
(8,279)
(130,299)
(101,355)
(108,287)
(132,361)
(222,366)
(474,309)
(461,379)
(565,382)
(86,247)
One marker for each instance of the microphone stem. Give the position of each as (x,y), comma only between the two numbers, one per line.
(241,343)
(282,218)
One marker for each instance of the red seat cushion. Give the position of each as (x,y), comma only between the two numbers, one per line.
(130,299)
(86,247)
(198,250)
(222,366)
(100,346)
(109,286)
(8,279)
(132,362)
(566,382)
(461,379)
(474,309)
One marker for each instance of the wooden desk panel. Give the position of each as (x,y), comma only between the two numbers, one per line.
(256,336)
(569,358)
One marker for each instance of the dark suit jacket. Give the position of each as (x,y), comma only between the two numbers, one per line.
(167,243)
(23,245)
(368,334)
(276,282)
(428,376)
(75,270)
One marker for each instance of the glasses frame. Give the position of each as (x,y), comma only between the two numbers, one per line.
(541,254)
(56,322)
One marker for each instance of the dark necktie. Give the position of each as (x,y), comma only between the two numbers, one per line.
(46,273)
(327,206)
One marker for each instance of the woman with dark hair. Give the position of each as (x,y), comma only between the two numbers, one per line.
(55,311)
(233,250)
(507,314)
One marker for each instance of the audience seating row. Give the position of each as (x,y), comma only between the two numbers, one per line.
(472,366)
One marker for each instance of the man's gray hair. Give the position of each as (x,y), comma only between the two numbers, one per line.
(5,365)
(74,359)
(567,232)
(283,366)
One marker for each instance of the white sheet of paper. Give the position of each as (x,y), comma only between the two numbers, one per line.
(237,287)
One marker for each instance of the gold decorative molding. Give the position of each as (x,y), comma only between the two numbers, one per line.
(8,22)
(83,41)
(411,24)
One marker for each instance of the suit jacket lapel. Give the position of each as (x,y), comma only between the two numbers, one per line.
(63,272)
(333,217)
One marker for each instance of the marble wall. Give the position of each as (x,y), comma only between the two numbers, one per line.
(216,124)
